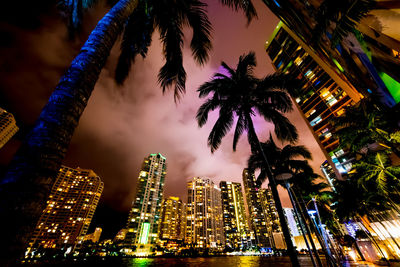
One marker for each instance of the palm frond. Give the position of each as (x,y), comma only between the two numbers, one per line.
(262,177)
(246,64)
(350,18)
(245,5)
(290,151)
(328,11)
(280,81)
(172,72)
(231,72)
(220,129)
(201,40)
(284,129)
(202,113)
(135,40)
(240,127)
(274,99)
(216,86)
(73,11)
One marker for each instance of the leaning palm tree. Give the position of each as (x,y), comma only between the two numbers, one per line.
(239,93)
(35,165)
(340,16)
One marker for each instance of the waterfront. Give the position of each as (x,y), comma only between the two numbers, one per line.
(229,261)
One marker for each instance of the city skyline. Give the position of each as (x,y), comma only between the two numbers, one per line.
(120,125)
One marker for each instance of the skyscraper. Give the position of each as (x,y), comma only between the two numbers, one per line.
(270,214)
(324,91)
(173,222)
(143,221)
(70,208)
(257,219)
(368,60)
(234,215)
(8,127)
(204,215)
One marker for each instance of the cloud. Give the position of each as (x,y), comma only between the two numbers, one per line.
(122,125)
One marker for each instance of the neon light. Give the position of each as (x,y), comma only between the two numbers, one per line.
(338,65)
(392,85)
(144,233)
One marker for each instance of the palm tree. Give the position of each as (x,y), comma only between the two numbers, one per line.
(376,171)
(366,123)
(35,165)
(341,15)
(289,159)
(239,93)
(302,186)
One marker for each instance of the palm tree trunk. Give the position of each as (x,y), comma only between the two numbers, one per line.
(26,185)
(302,226)
(285,230)
(303,216)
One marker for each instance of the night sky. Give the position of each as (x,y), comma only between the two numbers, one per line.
(122,125)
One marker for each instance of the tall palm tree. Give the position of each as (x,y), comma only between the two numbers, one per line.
(239,93)
(341,15)
(35,165)
(289,159)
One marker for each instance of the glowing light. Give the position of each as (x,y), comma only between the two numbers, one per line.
(144,233)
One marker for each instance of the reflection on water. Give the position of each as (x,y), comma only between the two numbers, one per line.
(228,261)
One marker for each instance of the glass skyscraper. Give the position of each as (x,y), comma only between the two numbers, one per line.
(234,216)
(324,94)
(144,217)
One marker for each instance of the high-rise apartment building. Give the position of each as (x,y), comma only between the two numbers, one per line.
(144,217)
(368,60)
(70,208)
(363,64)
(8,127)
(173,222)
(234,215)
(324,92)
(205,228)
(271,215)
(257,221)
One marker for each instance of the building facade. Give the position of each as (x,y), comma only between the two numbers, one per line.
(70,208)
(173,223)
(234,216)
(257,221)
(144,217)
(205,227)
(368,60)
(271,217)
(324,94)
(8,127)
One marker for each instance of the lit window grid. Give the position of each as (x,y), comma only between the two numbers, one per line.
(234,214)
(8,127)
(257,221)
(146,206)
(204,215)
(70,208)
